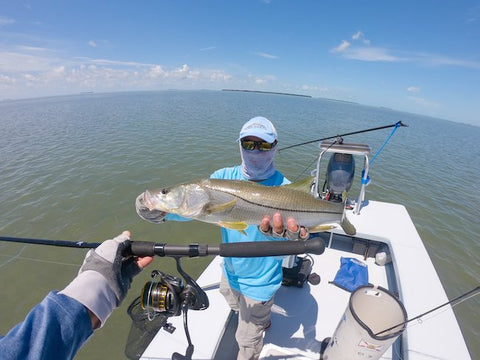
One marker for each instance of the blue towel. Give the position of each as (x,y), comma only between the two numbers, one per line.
(352,274)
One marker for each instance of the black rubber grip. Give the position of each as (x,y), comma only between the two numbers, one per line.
(243,249)
(142,248)
(272,248)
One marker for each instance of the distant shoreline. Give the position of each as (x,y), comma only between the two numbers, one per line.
(268,92)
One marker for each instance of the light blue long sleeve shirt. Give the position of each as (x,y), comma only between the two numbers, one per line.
(56,328)
(257,278)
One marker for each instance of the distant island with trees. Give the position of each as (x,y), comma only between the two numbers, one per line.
(268,92)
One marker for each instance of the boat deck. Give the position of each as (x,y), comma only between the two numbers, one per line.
(303,317)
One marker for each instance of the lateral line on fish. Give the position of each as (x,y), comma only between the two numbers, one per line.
(278,208)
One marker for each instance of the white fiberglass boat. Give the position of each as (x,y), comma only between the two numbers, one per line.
(306,315)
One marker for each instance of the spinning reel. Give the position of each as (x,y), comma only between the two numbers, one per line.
(166,296)
(163,295)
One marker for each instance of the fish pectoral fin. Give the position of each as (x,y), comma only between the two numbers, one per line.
(210,208)
(320,228)
(301,185)
(346,225)
(240,226)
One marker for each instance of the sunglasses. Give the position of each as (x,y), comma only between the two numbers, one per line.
(250,145)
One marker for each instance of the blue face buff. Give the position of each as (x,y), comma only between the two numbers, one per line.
(256,164)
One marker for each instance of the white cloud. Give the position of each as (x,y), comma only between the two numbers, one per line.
(342,47)
(424,103)
(29,77)
(414,89)
(116,62)
(6,80)
(18,62)
(92,43)
(156,71)
(359,36)
(218,76)
(266,55)
(314,88)
(371,54)
(440,60)
(473,15)
(360,49)
(351,50)
(6,21)
(30,72)
(261,80)
(34,49)
(346,45)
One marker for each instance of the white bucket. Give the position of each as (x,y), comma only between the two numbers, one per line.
(360,333)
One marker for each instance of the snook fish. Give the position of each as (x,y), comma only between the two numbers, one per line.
(235,204)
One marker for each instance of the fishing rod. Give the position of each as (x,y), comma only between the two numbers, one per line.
(244,249)
(454,302)
(61,243)
(397,124)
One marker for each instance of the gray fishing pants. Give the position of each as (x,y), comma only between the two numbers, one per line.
(253,317)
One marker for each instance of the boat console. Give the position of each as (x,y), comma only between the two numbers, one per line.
(341,170)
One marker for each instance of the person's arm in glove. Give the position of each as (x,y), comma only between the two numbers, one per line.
(105,277)
(59,325)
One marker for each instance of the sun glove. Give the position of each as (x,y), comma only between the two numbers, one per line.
(286,233)
(104,277)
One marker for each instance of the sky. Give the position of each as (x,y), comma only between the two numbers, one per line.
(420,56)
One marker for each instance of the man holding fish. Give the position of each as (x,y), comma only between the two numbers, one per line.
(248,284)
(238,199)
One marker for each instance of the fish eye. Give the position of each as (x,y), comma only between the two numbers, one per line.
(164,191)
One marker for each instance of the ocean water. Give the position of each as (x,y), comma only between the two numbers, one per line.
(71,168)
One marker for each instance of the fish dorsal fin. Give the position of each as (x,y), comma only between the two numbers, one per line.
(302,185)
(220,207)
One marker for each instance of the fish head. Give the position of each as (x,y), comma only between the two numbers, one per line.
(146,211)
(186,200)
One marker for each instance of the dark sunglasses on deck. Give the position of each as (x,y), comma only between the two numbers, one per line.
(251,145)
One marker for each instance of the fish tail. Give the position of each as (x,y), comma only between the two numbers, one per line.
(348,227)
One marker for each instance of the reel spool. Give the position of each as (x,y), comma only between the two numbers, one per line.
(162,296)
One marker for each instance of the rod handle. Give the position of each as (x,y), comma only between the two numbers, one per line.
(243,249)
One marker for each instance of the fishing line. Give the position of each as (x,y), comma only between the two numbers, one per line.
(454,302)
(60,243)
(16,256)
(37,260)
(304,170)
(338,141)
